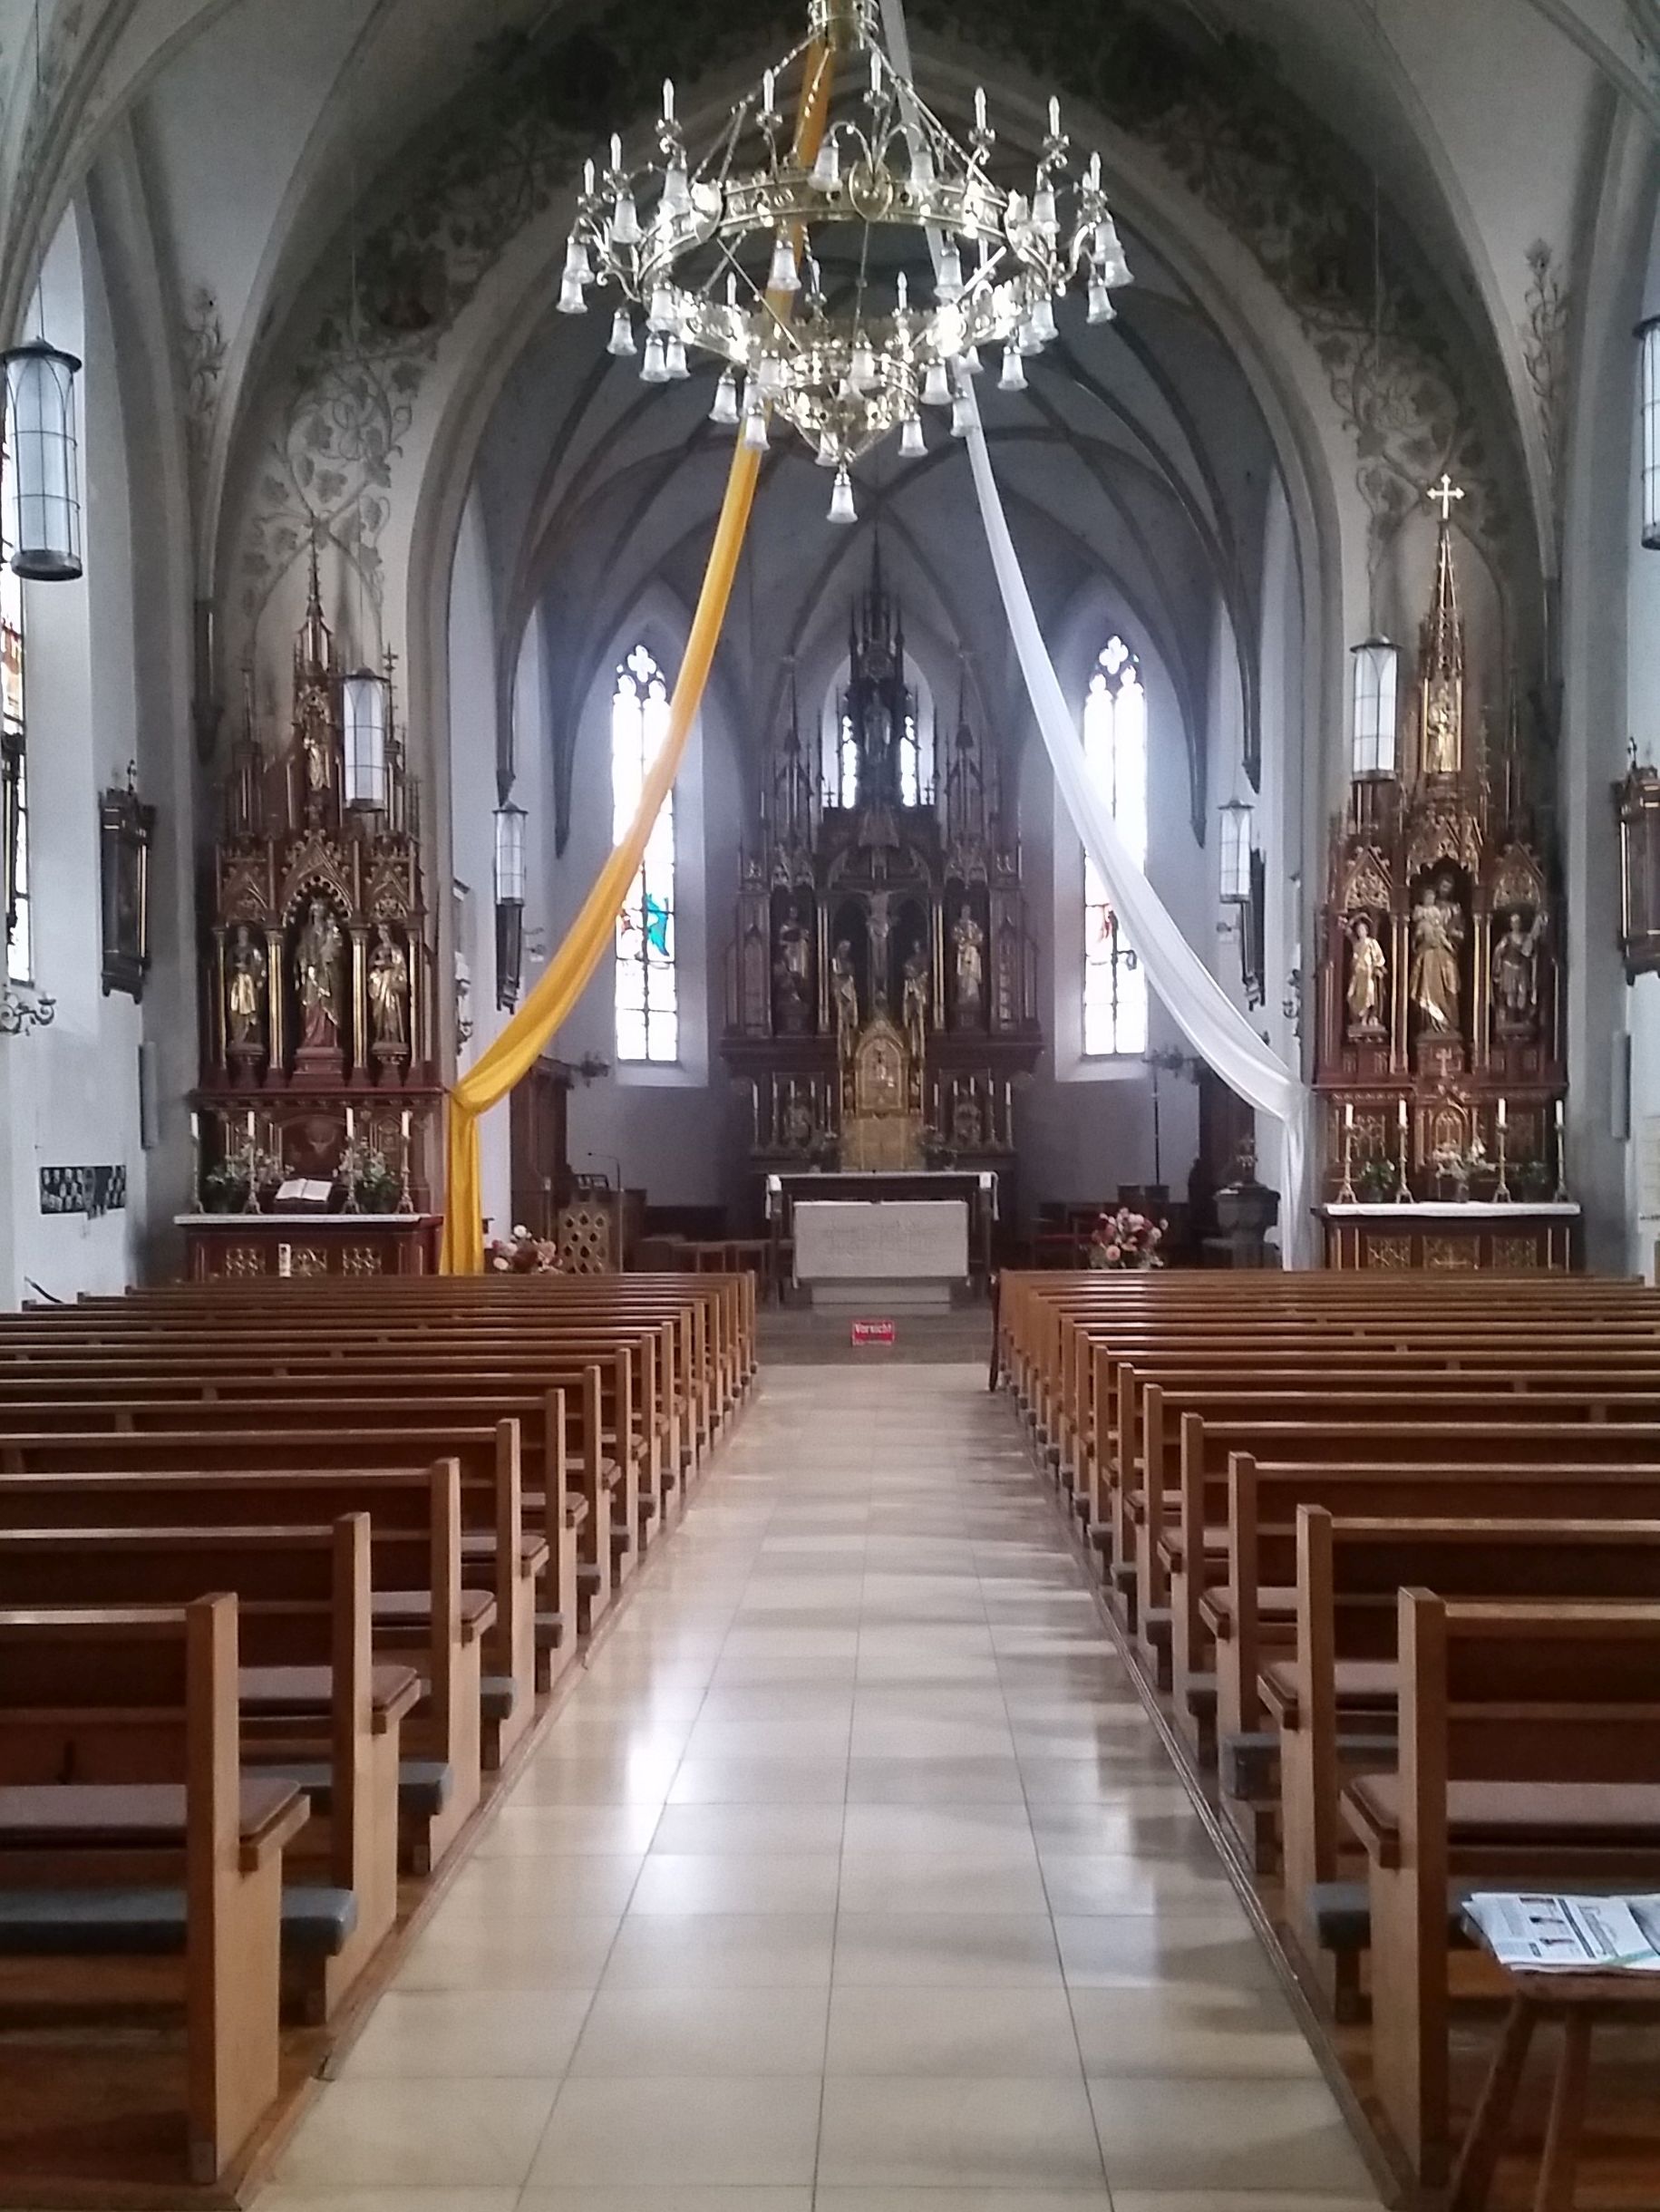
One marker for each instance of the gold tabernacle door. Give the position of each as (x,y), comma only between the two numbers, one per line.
(881,1129)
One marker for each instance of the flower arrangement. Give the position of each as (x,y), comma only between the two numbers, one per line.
(525,1254)
(1126,1239)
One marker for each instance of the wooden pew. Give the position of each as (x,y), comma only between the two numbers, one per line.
(496,1553)
(1529,1755)
(163,1846)
(1215,1577)
(315,1707)
(419,1607)
(1343,1673)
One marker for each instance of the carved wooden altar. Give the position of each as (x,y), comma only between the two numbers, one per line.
(318,1055)
(1439,1023)
(882,986)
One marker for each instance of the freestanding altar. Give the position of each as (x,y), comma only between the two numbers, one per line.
(882,986)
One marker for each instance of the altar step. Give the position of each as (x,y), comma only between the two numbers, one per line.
(878,1298)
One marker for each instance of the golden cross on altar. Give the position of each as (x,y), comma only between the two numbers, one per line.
(1443,495)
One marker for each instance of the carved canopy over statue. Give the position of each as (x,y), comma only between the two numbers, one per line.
(885,904)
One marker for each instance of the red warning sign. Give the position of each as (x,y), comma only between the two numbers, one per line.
(873,1332)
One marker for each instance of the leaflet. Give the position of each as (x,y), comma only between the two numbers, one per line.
(1555,1935)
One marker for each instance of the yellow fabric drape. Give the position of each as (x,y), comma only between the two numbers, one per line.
(521,1044)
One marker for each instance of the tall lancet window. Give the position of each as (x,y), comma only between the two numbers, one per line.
(19,962)
(1115,752)
(647,985)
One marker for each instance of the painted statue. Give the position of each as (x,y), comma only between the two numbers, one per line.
(319,970)
(1434,984)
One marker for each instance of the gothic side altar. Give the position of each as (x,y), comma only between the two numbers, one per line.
(315,1120)
(1439,1060)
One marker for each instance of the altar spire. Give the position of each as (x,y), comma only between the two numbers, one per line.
(1441,671)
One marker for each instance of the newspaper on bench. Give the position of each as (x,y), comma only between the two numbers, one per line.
(1536,1934)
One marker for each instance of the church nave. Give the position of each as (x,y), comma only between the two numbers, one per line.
(852,1878)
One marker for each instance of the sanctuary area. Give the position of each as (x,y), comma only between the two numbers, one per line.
(830,1105)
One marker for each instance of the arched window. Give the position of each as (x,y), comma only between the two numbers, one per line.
(19,964)
(647,988)
(1115,753)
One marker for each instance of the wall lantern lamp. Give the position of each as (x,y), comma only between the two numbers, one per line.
(509,902)
(1237,819)
(1373,726)
(365,703)
(1648,400)
(43,485)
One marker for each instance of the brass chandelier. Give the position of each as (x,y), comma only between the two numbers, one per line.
(720,254)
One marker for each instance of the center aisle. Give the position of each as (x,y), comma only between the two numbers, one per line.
(851,1879)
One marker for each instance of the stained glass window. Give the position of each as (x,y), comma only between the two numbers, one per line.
(1115,753)
(14,778)
(648,987)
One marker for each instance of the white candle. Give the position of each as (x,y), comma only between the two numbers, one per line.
(196,1128)
(1502,1114)
(350,1125)
(1401,1117)
(403,1122)
(876,72)
(1348,1115)
(766,92)
(668,100)
(251,1129)
(979,107)
(1054,117)
(616,151)
(1558,1117)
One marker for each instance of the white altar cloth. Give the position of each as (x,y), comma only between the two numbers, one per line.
(902,1240)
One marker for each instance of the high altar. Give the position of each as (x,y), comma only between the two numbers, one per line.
(1439,1054)
(315,1117)
(882,989)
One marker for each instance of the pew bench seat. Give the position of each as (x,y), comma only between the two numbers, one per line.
(307,1694)
(425,1786)
(71,1817)
(143,1922)
(1521,1816)
(1363,1686)
(413,1609)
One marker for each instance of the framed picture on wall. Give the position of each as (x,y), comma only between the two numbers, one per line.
(125,826)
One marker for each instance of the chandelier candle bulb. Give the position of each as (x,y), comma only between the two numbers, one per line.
(913,445)
(936,386)
(654,362)
(621,340)
(755,429)
(962,416)
(972,363)
(948,282)
(668,100)
(674,355)
(1101,308)
(625,221)
(827,169)
(841,507)
(781,276)
(724,409)
(979,107)
(1013,375)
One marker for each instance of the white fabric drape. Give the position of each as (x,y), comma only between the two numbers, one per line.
(1208,1018)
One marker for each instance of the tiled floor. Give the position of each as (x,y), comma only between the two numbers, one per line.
(852,1880)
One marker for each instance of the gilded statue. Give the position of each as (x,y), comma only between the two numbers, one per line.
(1438,934)
(969,939)
(245,989)
(319,963)
(844,998)
(389,990)
(1516,975)
(1367,966)
(914,1008)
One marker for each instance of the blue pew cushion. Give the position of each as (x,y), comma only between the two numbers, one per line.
(150,1922)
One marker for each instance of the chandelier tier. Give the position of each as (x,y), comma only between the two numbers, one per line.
(723,253)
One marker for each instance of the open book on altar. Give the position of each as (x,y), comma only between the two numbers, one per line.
(300,1196)
(1534,1933)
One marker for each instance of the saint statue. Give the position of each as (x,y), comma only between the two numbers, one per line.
(844,998)
(914,1010)
(969,939)
(1367,963)
(792,972)
(245,988)
(1438,934)
(317,963)
(1516,975)
(389,990)
(798,1128)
